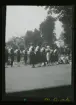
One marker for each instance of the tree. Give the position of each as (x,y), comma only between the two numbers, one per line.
(16,42)
(37,37)
(12,43)
(65,12)
(33,37)
(66,17)
(28,38)
(68,36)
(47,28)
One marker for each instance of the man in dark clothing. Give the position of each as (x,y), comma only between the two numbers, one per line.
(12,56)
(18,57)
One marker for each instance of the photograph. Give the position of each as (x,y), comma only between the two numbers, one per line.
(38,47)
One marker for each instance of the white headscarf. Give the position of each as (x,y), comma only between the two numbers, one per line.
(51,50)
(36,49)
(42,49)
(55,50)
(9,50)
(23,51)
(48,47)
(30,49)
(16,50)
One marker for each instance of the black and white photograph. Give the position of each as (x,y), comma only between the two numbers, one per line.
(38,47)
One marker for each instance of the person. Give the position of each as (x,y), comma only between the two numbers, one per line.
(32,57)
(38,56)
(55,56)
(18,57)
(52,56)
(43,56)
(65,50)
(48,55)
(67,59)
(62,59)
(15,55)
(25,56)
(6,56)
(9,60)
(28,57)
(28,54)
(12,56)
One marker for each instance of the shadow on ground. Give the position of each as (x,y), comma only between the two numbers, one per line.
(56,92)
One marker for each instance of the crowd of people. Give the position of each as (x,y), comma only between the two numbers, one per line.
(36,55)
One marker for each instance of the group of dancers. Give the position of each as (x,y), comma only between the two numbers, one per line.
(34,55)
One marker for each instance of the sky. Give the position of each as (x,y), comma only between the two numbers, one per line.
(19,19)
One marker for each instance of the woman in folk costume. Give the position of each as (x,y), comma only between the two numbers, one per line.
(32,57)
(28,54)
(52,56)
(43,56)
(15,54)
(48,55)
(18,57)
(12,56)
(38,55)
(25,56)
(28,57)
(56,56)
(61,59)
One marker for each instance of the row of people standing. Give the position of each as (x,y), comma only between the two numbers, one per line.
(37,57)
(10,54)
(34,55)
(43,55)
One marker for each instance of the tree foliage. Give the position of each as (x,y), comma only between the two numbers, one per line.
(33,37)
(37,37)
(66,17)
(68,36)
(47,28)
(16,43)
(64,11)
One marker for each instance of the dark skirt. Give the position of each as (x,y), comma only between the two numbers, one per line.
(52,58)
(25,58)
(38,57)
(12,57)
(43,57)
(18,58)
(32,58)
(56,57)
